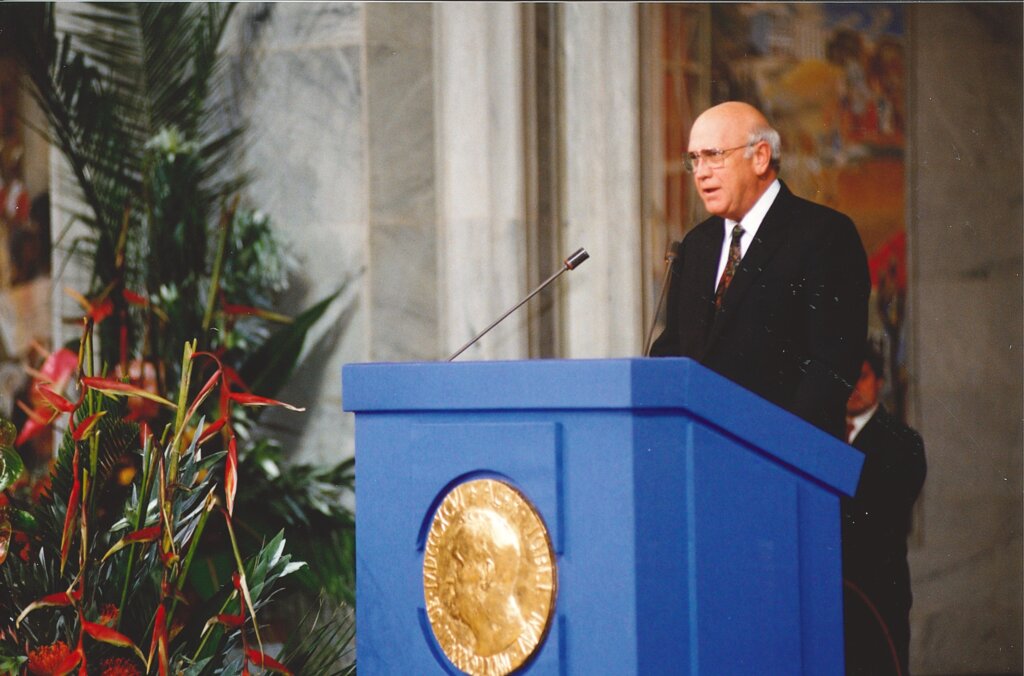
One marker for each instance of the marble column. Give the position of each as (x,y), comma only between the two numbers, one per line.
(402,258)
(965,236)
(480,189)
(603,301)
(298,80)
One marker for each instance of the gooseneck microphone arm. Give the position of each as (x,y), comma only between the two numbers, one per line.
(570,263)
(670,258)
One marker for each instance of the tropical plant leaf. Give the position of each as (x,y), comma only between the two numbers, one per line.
(11,466)
(323,643)
(267,369)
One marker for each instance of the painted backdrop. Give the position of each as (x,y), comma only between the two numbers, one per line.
(831,79)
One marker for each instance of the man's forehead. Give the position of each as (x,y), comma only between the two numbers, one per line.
(713,133)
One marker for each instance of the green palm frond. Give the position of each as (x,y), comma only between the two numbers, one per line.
(323,643)
(121,75)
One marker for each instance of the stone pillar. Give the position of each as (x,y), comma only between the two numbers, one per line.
(603,301)
(402,286)
(480,190)
(965,236)
(299,81)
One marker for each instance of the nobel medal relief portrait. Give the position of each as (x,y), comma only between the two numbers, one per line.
(489,580)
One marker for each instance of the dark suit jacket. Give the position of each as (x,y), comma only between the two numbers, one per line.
(793,323)
(876,522)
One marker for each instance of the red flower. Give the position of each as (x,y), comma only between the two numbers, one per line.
(44,660)
(26,545)
(108,615)
(119,666)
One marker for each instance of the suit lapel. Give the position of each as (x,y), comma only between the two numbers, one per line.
(769,237)
(707,259)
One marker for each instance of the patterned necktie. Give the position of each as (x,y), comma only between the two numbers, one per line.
(730,265)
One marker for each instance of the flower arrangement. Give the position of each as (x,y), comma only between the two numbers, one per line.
(131,94)
(105,589)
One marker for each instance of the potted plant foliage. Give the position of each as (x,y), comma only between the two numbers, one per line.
(130,93)
(95,586)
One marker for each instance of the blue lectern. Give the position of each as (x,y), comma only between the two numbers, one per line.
(695,526)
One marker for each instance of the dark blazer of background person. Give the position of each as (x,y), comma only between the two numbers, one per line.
(793,322)
(876,522)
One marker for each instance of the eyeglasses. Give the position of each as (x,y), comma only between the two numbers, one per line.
(713,157)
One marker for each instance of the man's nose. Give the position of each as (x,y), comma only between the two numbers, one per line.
(703,168)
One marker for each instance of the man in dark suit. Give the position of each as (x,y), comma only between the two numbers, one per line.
(876,522)
(771,291)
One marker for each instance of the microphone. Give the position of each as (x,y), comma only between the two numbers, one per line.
(570,263)
(670,258)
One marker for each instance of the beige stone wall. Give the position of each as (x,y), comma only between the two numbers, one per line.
(965,237)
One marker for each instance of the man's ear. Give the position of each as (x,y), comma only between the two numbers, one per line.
(762,158)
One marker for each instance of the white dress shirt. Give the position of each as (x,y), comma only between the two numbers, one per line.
(751,222)
(859,421)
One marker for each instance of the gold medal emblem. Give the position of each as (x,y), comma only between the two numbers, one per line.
(489,577)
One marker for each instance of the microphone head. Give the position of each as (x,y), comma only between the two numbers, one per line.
(577,257)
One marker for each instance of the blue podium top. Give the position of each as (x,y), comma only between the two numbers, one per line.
(641,385)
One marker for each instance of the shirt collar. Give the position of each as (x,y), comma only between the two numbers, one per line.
(753,218)
(859,421)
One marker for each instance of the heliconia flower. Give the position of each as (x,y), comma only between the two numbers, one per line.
(202,394)
(231,475)
(238,579)
(26,546)
(97,312)
(107,635)
(56,401)
(108,614)
(46,660)
(133,298)
(82,429)
(149,534)
(230,621)
(36,423)
(55,372)
(69,517)
(51,600)
(212,429)
(232,378)
(142,374)
(263,660)
(115,388)
(169,558)
(246,399)
(159,643)
(57,367)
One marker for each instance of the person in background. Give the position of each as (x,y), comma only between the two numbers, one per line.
(876,523)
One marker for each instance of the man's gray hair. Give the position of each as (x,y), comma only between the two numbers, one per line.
(769,136)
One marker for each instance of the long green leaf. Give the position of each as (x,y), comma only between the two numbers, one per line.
(269,368)
(11,466)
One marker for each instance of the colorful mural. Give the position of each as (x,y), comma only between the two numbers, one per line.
(831,79)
